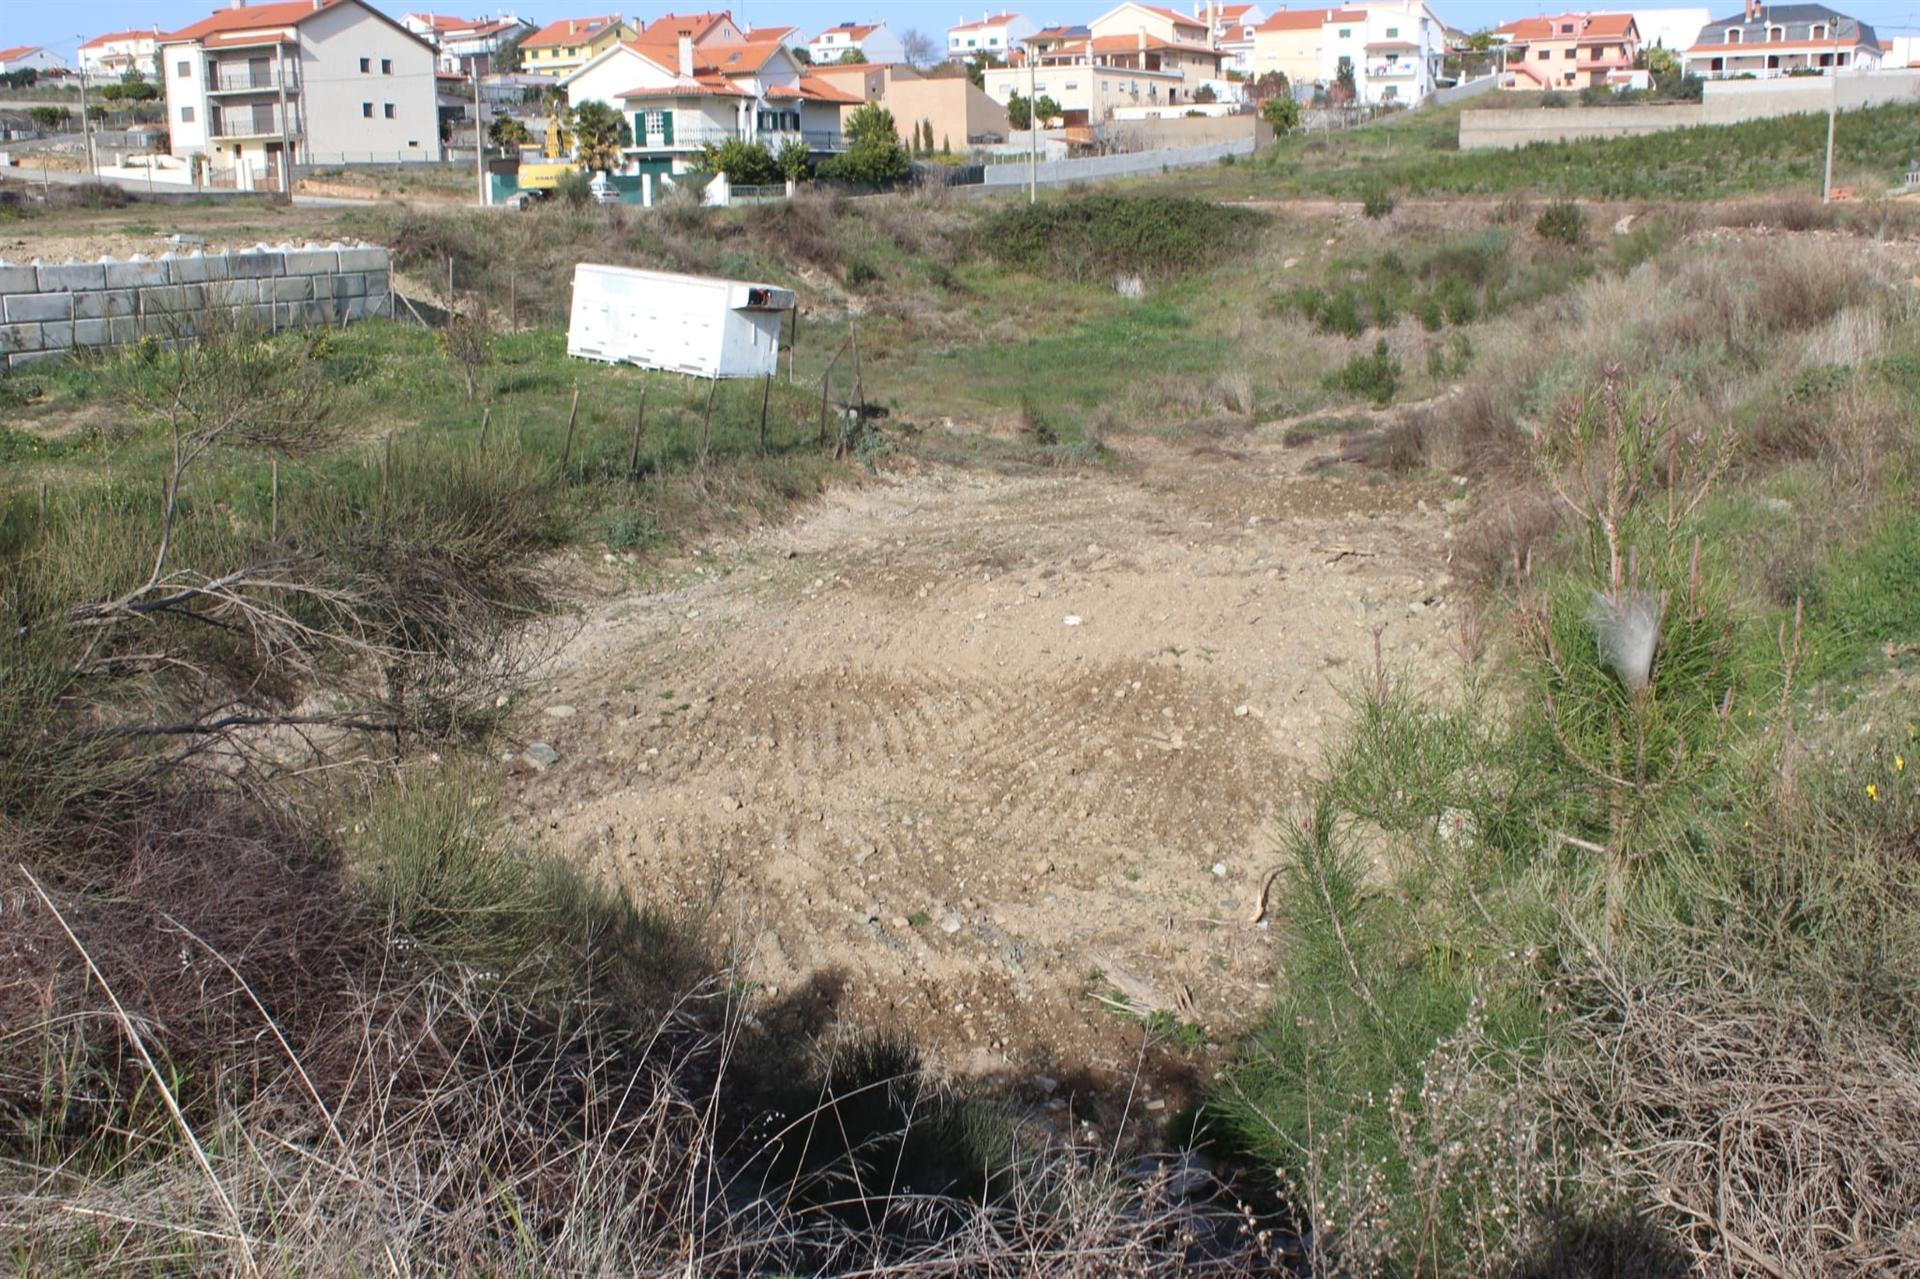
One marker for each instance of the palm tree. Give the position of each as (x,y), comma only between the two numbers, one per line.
(598,135)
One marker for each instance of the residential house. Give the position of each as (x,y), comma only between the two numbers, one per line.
(476,49)
(871,40)
(565,45)
(1673,29)
(30,57)
(306,82)
(959,111)
(428,26)
(1133,18)
(1569,51)
(1233,27)
(679,97)
(1090,77)
(1404,54)
(1047,38)
(995,34)
(113,55)
(1307,46)
(1783,39)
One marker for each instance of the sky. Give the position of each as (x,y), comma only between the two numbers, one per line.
(61,24)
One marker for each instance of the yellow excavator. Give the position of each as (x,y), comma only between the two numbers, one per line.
(544,176)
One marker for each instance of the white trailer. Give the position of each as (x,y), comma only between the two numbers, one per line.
(683,323)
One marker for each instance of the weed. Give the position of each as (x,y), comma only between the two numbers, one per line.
(1375,377)
(1096,236)
(1377,202)
(1564,222)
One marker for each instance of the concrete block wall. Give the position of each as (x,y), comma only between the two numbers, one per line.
(49,310)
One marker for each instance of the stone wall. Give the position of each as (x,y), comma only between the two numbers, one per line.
(49,310)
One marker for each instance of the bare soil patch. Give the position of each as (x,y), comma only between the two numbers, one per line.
(955,742)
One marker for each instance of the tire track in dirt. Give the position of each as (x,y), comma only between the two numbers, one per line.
(872,746)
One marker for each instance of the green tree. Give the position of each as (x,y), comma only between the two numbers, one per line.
(1273,84)
(1343,86)
(96,112)
(508,133)
(874,153)
(852,58)
(1282,113)
(1205,93)
(598,134)
(49,118)
(802,55)
(507,56)
(1480,41)
(793,160)
(1046,109)
(978,66)
(1019,114)
(926,137)
(745,163)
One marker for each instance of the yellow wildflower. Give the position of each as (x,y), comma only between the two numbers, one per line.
(1873,792)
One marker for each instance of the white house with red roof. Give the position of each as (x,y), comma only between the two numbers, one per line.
(871,40)
(1233,26)
(116,53)
(1134,55)
(681,96)
(30,57)
(1569,51)
(306,81)
(994,34)
(476,48)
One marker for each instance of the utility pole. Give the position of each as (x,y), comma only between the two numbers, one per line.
(479,152)
(86,125)
(1833,116)
(1033,134)
(286,133)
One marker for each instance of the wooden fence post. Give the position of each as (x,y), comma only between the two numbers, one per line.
(639,428)
(706,427)
(766,393)
(573,413)
(486,420)
(274,525)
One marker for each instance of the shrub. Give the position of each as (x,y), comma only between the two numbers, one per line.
(1562,221)
(573,188)
(1377,203)
(1375,376)
(1554,98)
(1099,236)
(1282,112)
(745,163)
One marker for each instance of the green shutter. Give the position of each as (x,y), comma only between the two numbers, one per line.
(666,127)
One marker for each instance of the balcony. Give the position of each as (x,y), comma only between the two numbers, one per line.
(250,78)
(260,121)
(1392,70)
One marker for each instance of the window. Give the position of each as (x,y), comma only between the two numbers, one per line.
(386,66)
(186,115)
(1819,31)
(184,71)
(1733,35)
(366,110)
(387,110)
(1393,33)
(1776,34)
(1566,28)
(366,65)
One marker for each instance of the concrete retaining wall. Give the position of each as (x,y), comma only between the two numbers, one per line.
(1494,127)
(1731,101)
(48,310)
(1723,102)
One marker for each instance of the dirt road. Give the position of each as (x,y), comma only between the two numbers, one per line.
(955,742)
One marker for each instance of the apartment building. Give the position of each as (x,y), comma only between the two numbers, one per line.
(466,45)
(111,56)
(1403,54)
(254,88)
(944,99)
(1233,27)
(1307,46)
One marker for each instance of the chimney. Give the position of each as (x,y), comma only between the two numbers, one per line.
(239,4)
(1753,10)
(686,55)
(1143,40)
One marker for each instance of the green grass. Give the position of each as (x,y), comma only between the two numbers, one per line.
(1418,153)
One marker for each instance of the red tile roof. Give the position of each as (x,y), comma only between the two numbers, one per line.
(997,20)
(443,22)
(698,87)
(669,27)
(814,89)
(253,18)
(18,51)
(114,37)
(854,30)
(1309,19)
(566,32)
